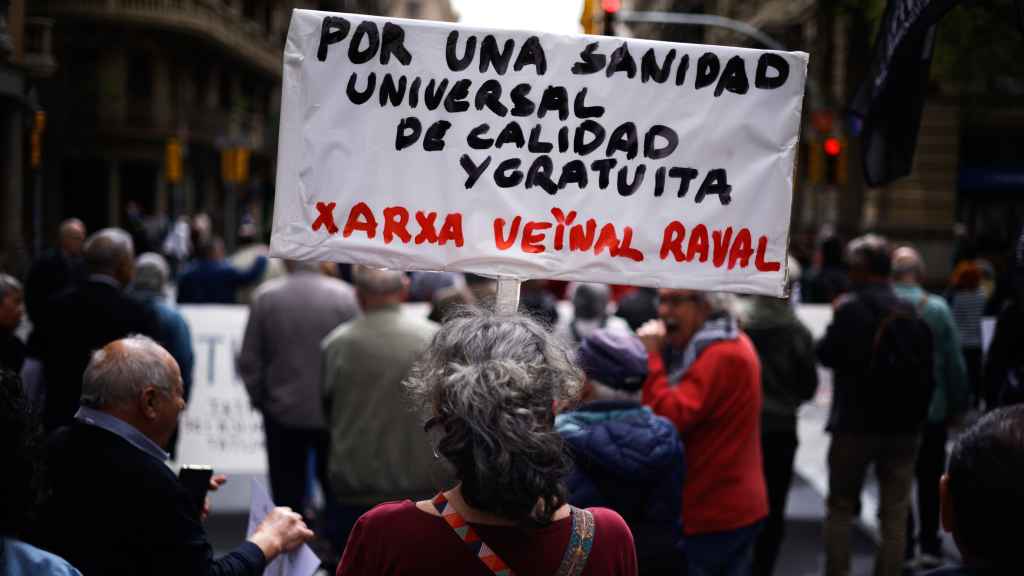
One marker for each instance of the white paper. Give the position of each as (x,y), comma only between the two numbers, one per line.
(300,562)
(339,160)
(988,330)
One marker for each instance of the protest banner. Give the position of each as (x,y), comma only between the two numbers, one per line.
(430,146)
(219,426)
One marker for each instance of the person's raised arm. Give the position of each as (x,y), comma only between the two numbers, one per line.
(253,273)
(682,404)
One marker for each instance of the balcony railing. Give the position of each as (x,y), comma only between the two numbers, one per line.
(209,19)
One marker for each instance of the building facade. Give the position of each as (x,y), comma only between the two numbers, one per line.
(968,175)
(156,108)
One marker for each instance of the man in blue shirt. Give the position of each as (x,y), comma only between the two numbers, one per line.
(212,280)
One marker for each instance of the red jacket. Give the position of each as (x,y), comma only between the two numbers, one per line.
(716,408)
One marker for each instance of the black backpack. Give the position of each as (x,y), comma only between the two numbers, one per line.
(900,374)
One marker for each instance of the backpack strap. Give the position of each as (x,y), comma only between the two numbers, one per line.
(580,542)
(468,535)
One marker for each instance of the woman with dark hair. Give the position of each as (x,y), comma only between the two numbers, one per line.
(489,386)
(20,436)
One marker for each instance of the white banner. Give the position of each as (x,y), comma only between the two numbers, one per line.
(431,146)
(219,426)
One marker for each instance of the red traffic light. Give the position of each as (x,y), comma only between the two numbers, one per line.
(611,6)
(833,146)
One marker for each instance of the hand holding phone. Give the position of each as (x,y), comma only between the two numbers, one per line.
(196,480)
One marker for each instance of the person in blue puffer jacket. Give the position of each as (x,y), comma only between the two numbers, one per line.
(625,457)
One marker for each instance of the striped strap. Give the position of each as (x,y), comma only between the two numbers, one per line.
(582,539)
(470,537)
(574,560)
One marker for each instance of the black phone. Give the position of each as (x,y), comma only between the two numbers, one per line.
(196,480)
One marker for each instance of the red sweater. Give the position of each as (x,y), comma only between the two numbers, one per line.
(396,538)
(716,407)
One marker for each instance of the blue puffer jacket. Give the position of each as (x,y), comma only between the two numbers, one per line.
(631,461)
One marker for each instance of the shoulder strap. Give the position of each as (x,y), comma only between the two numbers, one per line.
(469,536)
(580,541)
(574,560)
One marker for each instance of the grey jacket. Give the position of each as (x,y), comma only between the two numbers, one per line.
(378,448)
(280,358)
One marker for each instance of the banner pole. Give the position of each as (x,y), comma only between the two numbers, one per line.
(507,300)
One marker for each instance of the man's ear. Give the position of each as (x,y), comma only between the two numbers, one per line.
(946,503)
(148,401)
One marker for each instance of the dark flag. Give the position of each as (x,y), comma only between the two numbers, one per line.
(892,96)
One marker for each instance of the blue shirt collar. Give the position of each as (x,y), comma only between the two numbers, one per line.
(122,429)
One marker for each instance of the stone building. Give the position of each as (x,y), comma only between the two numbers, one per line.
(25,56)
(163,107)
(967,168)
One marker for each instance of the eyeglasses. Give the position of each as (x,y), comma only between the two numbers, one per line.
(678,299)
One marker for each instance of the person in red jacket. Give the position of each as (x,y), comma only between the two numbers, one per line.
(704,376)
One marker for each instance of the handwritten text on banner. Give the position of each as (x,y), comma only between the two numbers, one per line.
(428,146)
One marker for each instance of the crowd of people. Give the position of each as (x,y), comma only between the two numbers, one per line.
(649,431)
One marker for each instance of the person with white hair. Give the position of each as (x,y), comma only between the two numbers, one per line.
(151,275)
(705,377)
(950,399)
(114,506)
(487,390)
(87,318)
(377,450)
(590,303)
(12,349)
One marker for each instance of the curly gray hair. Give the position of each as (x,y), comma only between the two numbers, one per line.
(488,386)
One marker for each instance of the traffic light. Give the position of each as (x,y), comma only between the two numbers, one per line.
(38,127)
(172,160)
(589,16)
(611,9)
(834,149)
(234,165)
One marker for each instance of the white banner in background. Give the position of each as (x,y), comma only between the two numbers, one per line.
(430,146)
(219,427)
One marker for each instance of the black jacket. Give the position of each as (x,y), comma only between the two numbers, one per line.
(51,274)
(12,353)
(114,509)
(789,371)
(74,324)
(862,401)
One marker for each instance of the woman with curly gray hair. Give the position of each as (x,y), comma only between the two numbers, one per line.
(489,386)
